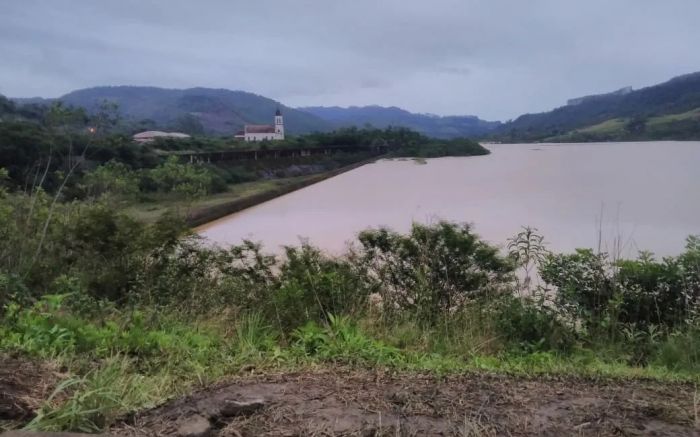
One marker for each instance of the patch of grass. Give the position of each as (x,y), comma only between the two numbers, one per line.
(151,361)
(157,205)
(670,118)
(612,126)
(658,127)
(91,402)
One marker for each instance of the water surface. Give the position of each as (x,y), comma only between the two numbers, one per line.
(635,195)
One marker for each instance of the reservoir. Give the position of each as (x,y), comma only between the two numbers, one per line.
(621,197)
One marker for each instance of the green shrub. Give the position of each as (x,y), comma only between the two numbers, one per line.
(185,179)
(112,178)
(641,292)
(679,351)
(530,326)
(48,329)
(584,287)
(434,269)
(313,285)
(341,341)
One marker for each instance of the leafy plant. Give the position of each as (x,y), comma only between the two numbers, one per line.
(434,269)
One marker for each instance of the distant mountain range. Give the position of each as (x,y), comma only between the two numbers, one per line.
(670,110)
(223,112)
(379,116)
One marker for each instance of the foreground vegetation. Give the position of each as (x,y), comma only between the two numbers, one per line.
(138,313)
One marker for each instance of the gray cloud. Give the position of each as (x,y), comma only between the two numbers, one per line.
(493,58)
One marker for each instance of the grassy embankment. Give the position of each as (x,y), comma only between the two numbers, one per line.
(206,206)
(149,210)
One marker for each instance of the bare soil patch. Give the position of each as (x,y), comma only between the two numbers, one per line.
(347,403)
(24,385)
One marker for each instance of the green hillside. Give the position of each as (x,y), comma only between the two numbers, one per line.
(685,125)
(194,110)
(434,126)
(664,111)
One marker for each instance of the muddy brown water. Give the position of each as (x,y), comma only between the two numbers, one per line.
(640,195)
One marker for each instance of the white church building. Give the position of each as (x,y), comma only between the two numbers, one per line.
(261,132)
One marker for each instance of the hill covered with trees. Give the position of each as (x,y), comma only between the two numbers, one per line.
(435,126)
(194,110)
(664,111)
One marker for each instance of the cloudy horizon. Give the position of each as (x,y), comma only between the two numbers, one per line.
(494,59)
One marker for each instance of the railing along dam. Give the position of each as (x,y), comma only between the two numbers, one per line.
(275,153)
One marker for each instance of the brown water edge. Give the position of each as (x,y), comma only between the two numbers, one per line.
(205,217)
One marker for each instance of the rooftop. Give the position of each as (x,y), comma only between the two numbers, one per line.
(259,129)
(156,133)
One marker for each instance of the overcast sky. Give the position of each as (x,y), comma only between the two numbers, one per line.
(492,58)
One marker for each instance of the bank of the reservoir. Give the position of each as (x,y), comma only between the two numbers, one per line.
(204,216)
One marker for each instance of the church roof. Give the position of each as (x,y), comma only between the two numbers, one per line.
(278,112)
(150,134)
(259,129)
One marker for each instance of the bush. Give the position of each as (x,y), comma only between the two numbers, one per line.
(112,178)
(313,285)
(185,179)
(435,269)
(584,286)
(341,341)
(531,326)
(641,292)
(680,351)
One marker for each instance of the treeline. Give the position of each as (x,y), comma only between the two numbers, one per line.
(400,142)
(62,140)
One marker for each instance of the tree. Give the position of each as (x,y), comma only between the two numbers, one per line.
(189,180)
(434,269)
(113,178)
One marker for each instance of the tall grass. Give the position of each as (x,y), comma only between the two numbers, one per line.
(91,402)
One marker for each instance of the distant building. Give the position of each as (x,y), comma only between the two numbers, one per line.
(151,135)
(261,132)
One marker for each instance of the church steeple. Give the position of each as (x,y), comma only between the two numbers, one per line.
(279,124)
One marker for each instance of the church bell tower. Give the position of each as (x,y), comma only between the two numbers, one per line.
(279,124)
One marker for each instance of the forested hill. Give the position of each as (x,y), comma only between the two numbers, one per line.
(194,110)
(382,117)
(618,113)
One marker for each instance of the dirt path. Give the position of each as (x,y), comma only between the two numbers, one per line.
(367,404)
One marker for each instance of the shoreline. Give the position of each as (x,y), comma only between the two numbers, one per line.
(201,219)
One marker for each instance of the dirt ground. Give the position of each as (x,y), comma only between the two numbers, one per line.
(347,403)
(24,386)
